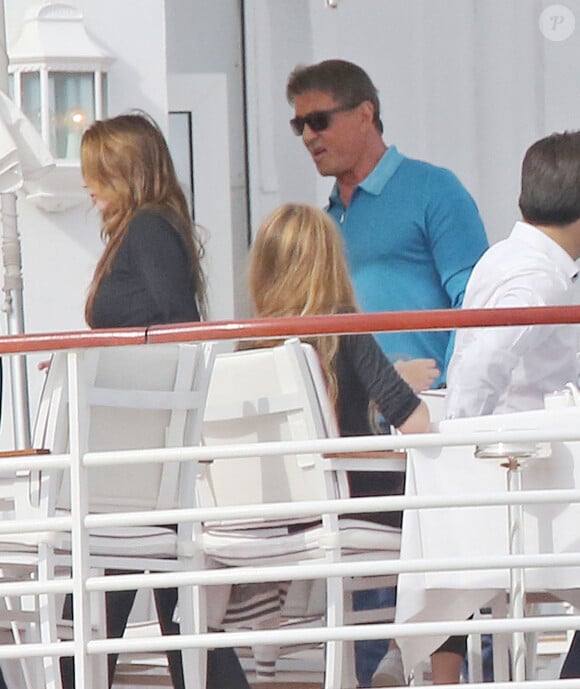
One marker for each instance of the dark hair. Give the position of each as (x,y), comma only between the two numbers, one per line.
(127,159)
(348,84)
(550,192)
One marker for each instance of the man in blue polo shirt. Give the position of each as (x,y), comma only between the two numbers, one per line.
(412,234)
(411,230)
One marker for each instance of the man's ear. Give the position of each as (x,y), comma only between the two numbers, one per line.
(367,111)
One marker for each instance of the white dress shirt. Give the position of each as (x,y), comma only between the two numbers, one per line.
(495,370)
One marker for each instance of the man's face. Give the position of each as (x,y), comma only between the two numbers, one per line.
(336,149)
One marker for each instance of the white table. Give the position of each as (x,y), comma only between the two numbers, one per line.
(483,531)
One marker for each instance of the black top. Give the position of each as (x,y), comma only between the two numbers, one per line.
(150,281)
(364,373)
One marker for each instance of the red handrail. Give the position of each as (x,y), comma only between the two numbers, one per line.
(443,319)
(48,342)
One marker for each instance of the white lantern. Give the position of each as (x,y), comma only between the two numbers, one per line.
(58,77)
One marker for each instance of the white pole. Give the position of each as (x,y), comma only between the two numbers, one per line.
(517,574)
(13,285)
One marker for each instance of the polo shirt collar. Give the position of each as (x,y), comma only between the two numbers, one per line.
(375,182)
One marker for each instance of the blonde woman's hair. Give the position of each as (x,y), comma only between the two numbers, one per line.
(127,159)
(297,268)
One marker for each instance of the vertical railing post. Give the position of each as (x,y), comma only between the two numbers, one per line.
(79,510)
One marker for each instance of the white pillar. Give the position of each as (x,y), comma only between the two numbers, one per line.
(13,286)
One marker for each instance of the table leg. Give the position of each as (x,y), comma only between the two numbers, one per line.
(517,576)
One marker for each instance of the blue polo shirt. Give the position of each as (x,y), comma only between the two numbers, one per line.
(412,234)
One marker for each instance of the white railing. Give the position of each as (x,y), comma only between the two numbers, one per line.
(82,583)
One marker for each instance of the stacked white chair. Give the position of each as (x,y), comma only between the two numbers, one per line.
(27,555)
(274,395)
(104,404)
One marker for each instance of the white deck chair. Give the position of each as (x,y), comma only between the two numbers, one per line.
(380,461)
(141,398)
(28,495)
(269,395)
(130,398)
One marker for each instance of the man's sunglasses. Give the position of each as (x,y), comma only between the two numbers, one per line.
(318,120)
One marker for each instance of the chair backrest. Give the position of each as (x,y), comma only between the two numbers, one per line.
(311,363)
(140,397)
(263,395)
(21,491)
(50,425)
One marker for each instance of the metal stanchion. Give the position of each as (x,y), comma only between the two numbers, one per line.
(513,454)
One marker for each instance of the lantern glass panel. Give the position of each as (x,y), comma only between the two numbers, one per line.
(30,98)
(72,106)
(105,94)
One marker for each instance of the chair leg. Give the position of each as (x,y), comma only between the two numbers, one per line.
(335,618)
(47,614)
(474,657)
(193,620)
(30,668)
(99,665)
(48,634)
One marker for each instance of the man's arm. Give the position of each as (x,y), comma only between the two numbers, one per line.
(480,373)
(482,364)
(455,233)
(456,237)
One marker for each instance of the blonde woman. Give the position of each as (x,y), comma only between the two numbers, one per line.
(297,268)
(149,273)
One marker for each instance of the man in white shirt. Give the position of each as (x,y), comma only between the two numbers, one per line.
(495,370)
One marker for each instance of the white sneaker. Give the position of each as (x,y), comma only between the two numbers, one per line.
(389,672)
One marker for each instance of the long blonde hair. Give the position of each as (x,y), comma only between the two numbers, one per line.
(127,159)
(297,268)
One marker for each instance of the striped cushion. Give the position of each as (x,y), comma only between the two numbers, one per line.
(131,541)
(277,545)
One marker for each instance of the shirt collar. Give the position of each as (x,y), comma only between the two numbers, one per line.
(534,237)
(375,182)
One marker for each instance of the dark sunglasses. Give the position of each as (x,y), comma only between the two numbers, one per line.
(318,120)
